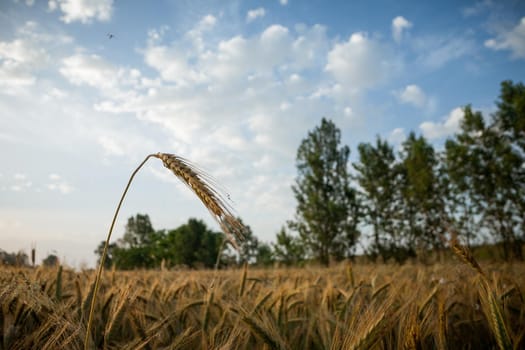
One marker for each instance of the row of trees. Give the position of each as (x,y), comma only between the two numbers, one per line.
(21,259)
(406,203)
(396,204)
(192,244)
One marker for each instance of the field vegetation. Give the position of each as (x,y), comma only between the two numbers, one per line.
(361,306)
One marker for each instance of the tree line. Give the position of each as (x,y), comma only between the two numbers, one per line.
(406,203)
(396,204)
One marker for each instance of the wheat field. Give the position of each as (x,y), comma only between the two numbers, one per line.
(345,307)
(458,305)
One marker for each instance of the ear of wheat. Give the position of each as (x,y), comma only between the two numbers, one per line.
(201,184)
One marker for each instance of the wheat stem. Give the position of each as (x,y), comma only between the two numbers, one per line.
(105,251)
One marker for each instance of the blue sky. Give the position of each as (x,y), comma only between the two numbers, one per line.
(234,86)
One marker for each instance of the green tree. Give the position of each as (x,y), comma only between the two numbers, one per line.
(486,160)
(14,259)
(194,244)
(287,249)
(138,231)
(51,260)
(109,261)
(264,255)
(422,190)
(378,178)
(248,249)
(327,210)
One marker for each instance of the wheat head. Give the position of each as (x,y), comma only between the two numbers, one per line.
(199,182)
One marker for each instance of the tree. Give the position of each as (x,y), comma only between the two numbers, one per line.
(138,231)
(378,176)
(248,249)
(193,243)
(51,260)
(423,195)
(287,249)
(327,208)
(485,160)
(264,255)
(14,259)
(109,261)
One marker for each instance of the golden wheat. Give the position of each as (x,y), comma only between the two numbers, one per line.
(202,185)
(288,308)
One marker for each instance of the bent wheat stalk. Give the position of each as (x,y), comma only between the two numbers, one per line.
(202,186)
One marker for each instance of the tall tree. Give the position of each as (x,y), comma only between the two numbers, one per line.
(138,231)
(378,178)
(327,207)
(194,244)
(424,205)
(248,248)
(486,159)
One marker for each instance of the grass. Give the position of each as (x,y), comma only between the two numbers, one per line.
(388,307)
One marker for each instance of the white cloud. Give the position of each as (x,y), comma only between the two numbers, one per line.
(397,136)
(58,184)
(513,40)
(83,10)
(22,57)
(20,183)
(399,25)
(412,94)
(435,52)
(62,187)
(478,8)
(361,62)
(283,2)
(92,70)
(449,126)
(111,146)
(254,14)
(13,77)
(28,2)
(197,34)
(22,51)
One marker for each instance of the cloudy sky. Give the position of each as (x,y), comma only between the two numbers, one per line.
(234,86)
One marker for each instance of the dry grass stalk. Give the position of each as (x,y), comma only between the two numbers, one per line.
(202,186)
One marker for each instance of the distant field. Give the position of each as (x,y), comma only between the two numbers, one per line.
(344,307)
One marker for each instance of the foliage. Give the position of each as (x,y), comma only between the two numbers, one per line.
(192,244)
(13,259)
(421,187)
(327,208)
(288,250)
(51,260)
(379,179)
(486,160)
